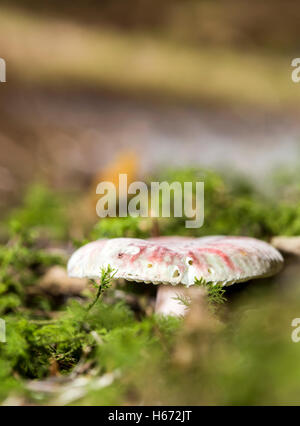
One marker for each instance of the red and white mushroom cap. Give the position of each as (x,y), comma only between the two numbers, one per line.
(178,260)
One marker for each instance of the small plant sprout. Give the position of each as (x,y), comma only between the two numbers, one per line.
(179,304)
(215,292)
(184,267)
(106,276)
(184,300)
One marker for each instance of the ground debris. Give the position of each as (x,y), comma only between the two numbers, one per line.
(56,281)
(66,390)
(290,245)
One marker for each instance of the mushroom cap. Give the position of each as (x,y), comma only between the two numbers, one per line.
(178,260)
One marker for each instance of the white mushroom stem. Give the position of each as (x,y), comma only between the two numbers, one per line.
(175,300)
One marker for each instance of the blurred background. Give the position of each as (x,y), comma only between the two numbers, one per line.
(145,83)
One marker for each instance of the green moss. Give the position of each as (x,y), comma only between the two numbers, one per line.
(22,263)
(235,206)
(130,227)
(42,209)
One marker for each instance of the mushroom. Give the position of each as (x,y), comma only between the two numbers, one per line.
(176,262)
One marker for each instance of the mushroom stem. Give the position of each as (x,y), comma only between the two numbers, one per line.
(175,300)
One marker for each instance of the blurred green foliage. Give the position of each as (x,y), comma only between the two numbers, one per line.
(233,206)
(22,264)
(129,227)
(42,209)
